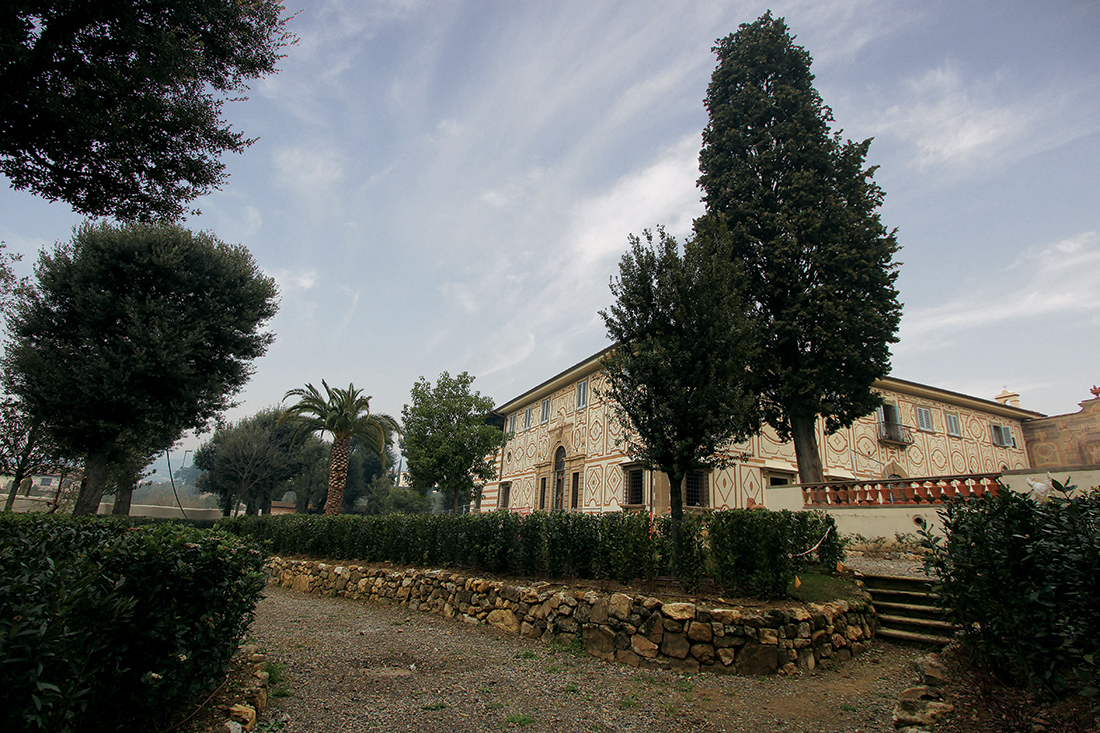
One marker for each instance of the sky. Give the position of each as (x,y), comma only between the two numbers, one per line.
(448,185)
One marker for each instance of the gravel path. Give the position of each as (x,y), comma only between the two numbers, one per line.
(354,666)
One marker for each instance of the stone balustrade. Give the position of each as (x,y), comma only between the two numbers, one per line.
(637,630)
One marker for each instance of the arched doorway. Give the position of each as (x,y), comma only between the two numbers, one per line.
(558,501)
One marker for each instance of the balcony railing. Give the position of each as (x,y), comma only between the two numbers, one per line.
(893,432)
(899,492)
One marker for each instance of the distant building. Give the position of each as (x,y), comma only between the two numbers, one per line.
(566,451)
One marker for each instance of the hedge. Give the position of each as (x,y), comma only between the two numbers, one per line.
(105,625)
(1022,578)
(748,552)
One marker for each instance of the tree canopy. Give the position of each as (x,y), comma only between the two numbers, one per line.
(115,106)
(679,376)
(447,440)
(132,334)
(251,460)
(26,447)
(801,210)
(346,414)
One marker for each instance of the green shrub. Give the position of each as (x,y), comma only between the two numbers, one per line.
(754,553)
(1022,578)
(105,626)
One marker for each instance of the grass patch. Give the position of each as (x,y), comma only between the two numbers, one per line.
(571,688)
(628,702)
(277,685)
(494,705)
(552,669)
(819,588)
(520,719)
(574,648)
(527,654)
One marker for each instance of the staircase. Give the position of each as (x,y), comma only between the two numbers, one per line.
(907,610)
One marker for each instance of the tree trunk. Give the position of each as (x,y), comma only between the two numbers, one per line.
(122,502)
(676,503)
(337,475)
(13,491)
(95,481)
(804,433)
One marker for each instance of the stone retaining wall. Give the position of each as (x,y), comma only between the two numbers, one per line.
(641,631)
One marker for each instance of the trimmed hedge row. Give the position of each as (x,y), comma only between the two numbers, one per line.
(106,626)
(1022,578)
(748,552)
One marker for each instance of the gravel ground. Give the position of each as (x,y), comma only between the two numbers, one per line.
(353,666)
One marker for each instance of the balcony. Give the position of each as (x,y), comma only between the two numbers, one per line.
(899,492)
(895,433)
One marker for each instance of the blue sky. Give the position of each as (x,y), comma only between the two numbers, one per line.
(447,185)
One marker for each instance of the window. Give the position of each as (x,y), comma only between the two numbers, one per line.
(695,489)
(512,424)
(527,419)
(46,481)
(582,394)
(890,429)
(1002,436)
(633,493)
(504,495)
(558,500)
(546,411)
(924,419)
(779,480)
(542,494)
(576,490)
(953,428)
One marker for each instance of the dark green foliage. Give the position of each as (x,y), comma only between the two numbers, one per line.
(1022,578)
(744,551)
(799,209)
(447,441)
(678,377)
(132,334)
(115,106)
(109,625)
(757,553)
(253,460)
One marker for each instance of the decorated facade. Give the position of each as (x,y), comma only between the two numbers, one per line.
(566,450)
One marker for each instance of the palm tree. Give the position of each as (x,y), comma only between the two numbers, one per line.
(346,414)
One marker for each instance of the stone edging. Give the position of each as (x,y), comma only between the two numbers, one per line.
(641,631)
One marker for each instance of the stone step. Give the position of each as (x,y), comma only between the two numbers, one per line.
(909,610)
(892,621)
(922,598)
(913,636)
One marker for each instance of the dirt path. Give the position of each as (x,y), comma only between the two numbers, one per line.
(352,666)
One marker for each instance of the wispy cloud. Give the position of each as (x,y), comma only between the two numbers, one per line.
(291,280)
(1048,281)
(952,125)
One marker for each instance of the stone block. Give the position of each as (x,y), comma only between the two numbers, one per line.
(504,620)
(703,652)
(642,646)
(619,606)
(599,642)
(757,659)
(675,646)
(697,631)
(679,611)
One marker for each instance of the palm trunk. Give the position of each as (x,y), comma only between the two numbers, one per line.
(338,475)
(804,434)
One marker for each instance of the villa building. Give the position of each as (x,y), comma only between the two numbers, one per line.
(566,450)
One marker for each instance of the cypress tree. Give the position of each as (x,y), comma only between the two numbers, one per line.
(800,210)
